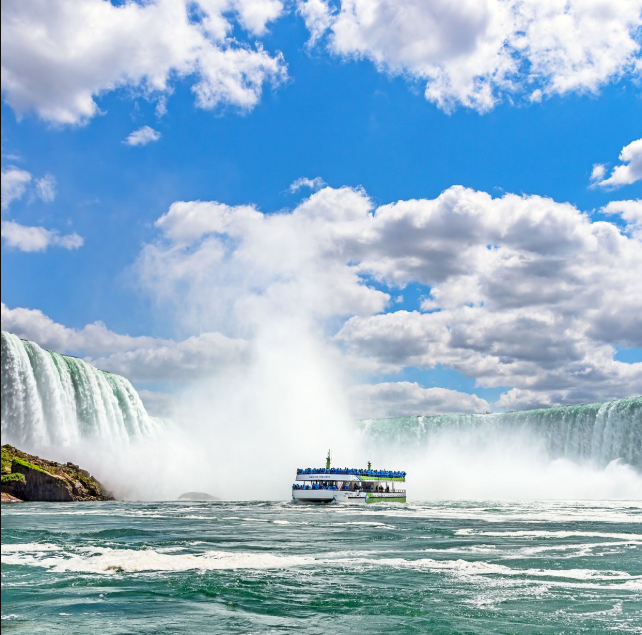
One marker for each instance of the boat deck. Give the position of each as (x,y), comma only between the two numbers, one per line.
(349,485)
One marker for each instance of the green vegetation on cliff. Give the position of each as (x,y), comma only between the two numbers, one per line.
(31,466)
(13,478)
(28,477)
(7,457)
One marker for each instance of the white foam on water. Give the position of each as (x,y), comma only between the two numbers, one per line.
(366,523)
(45,510)
(110,561)
(289,522)
(542,533)
(564,551)
(106,560)
(485,568)
(615,610)
(29,547)
(633,585)
(464,549)
(526,514)
(583,549)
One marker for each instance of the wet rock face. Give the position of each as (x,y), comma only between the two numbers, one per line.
(30,478)
(13,488)
(42,486)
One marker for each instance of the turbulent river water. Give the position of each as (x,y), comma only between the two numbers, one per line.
(265,567)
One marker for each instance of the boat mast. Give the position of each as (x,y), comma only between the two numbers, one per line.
(327,461)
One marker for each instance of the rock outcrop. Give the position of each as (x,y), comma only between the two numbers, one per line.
(29,478)
(198,496)
(7,498)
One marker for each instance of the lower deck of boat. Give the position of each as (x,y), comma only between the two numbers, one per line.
(350,497)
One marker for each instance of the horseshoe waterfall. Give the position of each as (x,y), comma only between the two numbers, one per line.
(53,400)
(598,433)
(62,403)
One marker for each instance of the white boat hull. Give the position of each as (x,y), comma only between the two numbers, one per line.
(342,496)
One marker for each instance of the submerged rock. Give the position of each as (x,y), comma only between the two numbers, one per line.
(29,478)
(198,496)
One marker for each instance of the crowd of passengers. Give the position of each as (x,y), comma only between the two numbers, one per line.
(358,488)
(347,470)
(318,486)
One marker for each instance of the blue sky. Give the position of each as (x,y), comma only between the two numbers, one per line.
(340,118)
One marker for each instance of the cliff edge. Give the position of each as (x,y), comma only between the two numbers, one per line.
(26,477)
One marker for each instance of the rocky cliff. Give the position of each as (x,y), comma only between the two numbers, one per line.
(29,478)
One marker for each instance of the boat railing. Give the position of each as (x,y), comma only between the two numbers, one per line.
(334,488)
(352,471)
(316,486)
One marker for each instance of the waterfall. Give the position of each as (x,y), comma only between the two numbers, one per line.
(53,400)
(598,432)
(67,409)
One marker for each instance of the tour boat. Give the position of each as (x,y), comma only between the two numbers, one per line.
(348,485)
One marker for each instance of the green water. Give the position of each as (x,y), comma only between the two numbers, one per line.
(441,568)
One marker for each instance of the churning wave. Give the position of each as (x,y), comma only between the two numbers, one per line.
(110,561)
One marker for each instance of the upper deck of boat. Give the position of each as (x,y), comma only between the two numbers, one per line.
(348,474)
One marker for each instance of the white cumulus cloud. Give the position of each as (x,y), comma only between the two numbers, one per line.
(630,212)
(17,182)
(521,291)
(26,238)
(139,358)
(598,172)
(473,53)
(628,172)
(236,260)
(304,182)
(403,398)
(59,56)
(142,136)
(14,185)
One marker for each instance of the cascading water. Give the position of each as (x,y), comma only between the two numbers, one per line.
(590,451)
(56,401)
(66,409)
(598,432)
